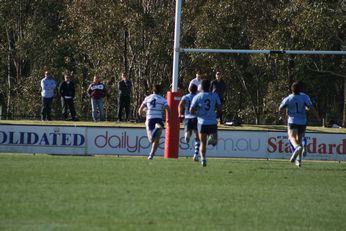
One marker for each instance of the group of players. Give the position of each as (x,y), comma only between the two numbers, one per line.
(200,109)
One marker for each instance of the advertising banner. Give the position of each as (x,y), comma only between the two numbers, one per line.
(133,141)
(43,139)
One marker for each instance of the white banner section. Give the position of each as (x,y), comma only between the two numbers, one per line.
(43,139)
(133,141)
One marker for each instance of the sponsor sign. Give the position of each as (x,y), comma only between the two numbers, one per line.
(43,139)
(133,141)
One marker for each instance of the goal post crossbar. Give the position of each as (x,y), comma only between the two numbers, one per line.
(243,51)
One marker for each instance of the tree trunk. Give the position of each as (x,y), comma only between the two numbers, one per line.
(9,85)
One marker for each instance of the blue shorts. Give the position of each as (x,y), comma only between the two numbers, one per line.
(301,128)
(150,123)
(207,128)
(190,124)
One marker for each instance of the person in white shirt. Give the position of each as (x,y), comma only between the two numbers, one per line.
(197,81)
(48,86)
(154,105)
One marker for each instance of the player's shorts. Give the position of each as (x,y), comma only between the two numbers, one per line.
(190,124)
(301,128)
(150,123)
(207,128)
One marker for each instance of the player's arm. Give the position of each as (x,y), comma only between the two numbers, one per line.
(141,109)
(181,108)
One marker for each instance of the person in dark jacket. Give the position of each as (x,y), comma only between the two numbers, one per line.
(218,86)
(67,93)
(124,100)
(97,92)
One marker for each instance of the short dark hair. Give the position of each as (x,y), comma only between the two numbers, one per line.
(193,88)
(205,85)
(157,89)
(295,88)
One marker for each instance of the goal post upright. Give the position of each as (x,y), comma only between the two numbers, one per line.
(173,96)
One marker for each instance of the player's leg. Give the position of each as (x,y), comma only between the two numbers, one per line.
(156,142)
(197,145)
(187,130)
(202,135)
(203,148)
(301,136)
(294,139)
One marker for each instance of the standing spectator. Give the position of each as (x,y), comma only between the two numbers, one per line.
(67,93)
(97,92)
(296,104)
(48,86)
(124,100)
(154,105)
(190,121)
(204,105)
(218,86)
(197,81)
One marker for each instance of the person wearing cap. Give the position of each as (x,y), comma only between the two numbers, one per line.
(218,86)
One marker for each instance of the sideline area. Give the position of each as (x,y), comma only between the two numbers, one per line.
(129,139)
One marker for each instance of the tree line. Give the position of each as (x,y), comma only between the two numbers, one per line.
(107,37)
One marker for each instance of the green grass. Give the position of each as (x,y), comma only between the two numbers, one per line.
(131,193)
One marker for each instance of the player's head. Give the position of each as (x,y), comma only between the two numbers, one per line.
(205,84)
(157,89)
(193,89)
(295,88)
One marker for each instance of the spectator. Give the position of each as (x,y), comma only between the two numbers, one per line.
(218,86)
(67,93)
(48,86)
(97,92)
(124,100)
(197,81)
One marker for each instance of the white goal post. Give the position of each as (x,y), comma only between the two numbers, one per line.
(171,140)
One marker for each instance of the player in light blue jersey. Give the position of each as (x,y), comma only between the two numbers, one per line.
(154,105)
(190,120)
(296,104)
(204,105)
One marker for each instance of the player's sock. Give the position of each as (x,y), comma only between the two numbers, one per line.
(196,146)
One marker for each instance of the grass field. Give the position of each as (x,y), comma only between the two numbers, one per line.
(131,193)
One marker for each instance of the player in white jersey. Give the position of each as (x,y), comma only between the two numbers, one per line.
(155,105)
(190,120)
(296,104)
(204,105)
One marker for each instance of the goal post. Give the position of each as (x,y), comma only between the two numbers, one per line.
(173,96)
